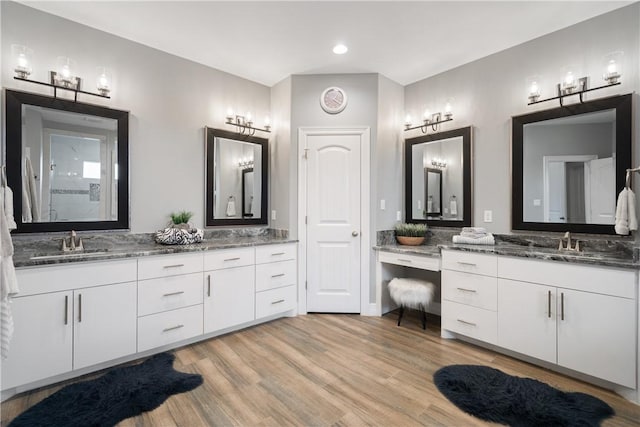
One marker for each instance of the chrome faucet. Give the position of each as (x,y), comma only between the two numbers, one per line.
(73,244)
(575,248)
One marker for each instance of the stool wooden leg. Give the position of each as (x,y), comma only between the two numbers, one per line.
(424,316)
(400,315)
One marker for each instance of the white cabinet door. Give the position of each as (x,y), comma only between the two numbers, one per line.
(229,297)
(596,335)
(527,318)
(105,323)
(42,339)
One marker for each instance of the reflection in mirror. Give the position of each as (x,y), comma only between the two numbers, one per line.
(434,192)
(236,179)
(571,163)
(66,164)
(438,178)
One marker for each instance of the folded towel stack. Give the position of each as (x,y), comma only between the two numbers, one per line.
(474,236)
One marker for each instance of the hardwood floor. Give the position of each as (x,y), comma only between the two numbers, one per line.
(330,370)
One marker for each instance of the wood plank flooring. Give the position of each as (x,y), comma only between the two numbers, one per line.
(330,370)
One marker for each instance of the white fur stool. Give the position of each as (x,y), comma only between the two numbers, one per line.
(412,293)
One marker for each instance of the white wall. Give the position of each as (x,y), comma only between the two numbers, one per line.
(283,166)
(489,91)
(170,100)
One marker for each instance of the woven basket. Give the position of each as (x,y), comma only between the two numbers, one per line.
(410,241)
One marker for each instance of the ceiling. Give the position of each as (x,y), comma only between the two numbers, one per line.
(267,41)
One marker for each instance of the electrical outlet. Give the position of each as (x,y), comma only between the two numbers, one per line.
(536,202)
(273,215)
(419,205)
(383,204)
(398,216)
(488,216)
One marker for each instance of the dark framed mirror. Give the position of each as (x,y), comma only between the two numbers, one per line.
(236,179)
(433,186)
(67,164)
(568,165)
(438,173)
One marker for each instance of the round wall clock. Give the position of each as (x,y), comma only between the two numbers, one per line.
(333,100)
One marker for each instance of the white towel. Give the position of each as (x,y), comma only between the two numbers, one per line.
(626,219)
(231,207)
(487,240)
(8,207)
(8,283)
(26,203)
(32,191)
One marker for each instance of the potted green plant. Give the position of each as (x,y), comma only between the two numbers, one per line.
(410,234)
(179,231)
(180,219)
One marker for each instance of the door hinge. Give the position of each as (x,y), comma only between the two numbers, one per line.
(305,284)
(306,153)
(305,219)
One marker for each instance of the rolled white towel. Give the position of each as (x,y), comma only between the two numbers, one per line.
(487,240)
(622,213)
(8,207)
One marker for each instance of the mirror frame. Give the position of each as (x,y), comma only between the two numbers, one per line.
(622,105)
(467,172)
(210,136)
(14,102)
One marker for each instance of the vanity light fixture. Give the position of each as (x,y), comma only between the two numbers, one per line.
(244,124)
(63,78)
(340,49)
(246,164)
(438,163)
(429,119)
(571,85)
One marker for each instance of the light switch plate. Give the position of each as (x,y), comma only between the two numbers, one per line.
(398,216)
(488,216)
(536,202)
(273,214)
(383,204)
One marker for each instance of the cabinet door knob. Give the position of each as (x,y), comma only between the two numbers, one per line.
(354,233)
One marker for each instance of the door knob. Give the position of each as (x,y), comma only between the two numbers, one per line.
(354,233)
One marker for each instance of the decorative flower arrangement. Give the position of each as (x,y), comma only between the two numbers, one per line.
(179,231)
(410,234)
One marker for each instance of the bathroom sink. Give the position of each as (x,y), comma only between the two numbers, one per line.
(81,254)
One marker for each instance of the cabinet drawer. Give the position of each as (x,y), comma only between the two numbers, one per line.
(171,326)
(417,261)
(169,293)
(471,289)
(228,258)
(169,265)
(275,275)
(603,280)
(275,301)
(45,279)
(470,262)
(470,321)
(270,253)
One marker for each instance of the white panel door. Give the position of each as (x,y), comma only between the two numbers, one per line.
(105,319)
(42,340)
(596,335)
(556,209)
(527,318)
(333,223)
(602,191)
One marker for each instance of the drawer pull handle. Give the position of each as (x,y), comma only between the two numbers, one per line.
(170,294)
(79,308)
(232,259)
(467,323)
(469,264)
(173,266)
(173,328)
(562,306)
(466,290)
(277,302)
(549,304)
(278,254)
(404,260)
(66,309)
(277,275)
(208,285)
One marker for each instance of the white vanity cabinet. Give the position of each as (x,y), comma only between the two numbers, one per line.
(580,317)
(77,315)
(170,306)
(229,288)
(276,279)
(469,295)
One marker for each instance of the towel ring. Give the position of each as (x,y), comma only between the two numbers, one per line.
(626,183)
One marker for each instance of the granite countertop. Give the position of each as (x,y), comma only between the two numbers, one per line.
(30,257)
(609,258)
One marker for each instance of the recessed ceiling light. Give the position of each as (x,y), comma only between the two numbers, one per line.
(339,49)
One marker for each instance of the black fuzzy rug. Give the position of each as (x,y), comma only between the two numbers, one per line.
(119,394)
(492,395)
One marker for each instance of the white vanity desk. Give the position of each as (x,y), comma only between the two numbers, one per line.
(405,261)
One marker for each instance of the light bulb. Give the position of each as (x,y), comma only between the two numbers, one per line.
(407,120)
(22,55)
(248,116)
(569,79)
(427,115)
(22,60)
(66,73)
(103,81)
